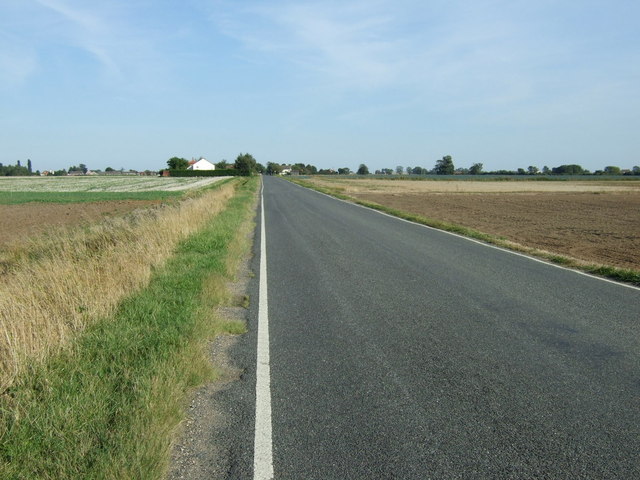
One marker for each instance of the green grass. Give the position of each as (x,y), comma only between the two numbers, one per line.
(15,198)
(108,406)
(614,273)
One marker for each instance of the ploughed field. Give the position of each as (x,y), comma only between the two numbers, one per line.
(34,205)
(24,220)
(592,221)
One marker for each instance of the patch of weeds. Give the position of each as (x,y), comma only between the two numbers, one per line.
(244,302)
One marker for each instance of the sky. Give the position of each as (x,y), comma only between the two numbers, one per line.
(509,84)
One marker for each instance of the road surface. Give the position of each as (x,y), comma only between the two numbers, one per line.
(398,351)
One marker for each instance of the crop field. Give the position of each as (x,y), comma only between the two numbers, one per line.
(596,222)
(102,184)
(32,205)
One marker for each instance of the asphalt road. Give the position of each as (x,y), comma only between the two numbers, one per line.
(398,351)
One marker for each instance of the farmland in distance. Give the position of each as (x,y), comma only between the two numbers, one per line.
(102,184)
(33,205)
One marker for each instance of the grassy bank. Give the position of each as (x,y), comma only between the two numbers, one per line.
(107,406)
(619,274)
(54,285)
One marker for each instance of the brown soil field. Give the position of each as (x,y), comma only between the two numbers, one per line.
(354,185)
(595,222)
(24,220)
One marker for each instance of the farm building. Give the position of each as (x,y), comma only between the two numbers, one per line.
(202,164)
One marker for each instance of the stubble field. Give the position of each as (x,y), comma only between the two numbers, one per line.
(594,222)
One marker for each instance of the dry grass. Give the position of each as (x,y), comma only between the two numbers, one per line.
(56,285)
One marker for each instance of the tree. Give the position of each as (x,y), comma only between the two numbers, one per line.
(83,168)
(568,170)
(222,164)
(444,166)
(399,169)
(532,170)
(546,170)
(109,169)
(16,170)
(363,169)
(611,170)
(476,169)
(636,170)
(178,163)
(246,164)
(29,166)
(344,171)
(273,168)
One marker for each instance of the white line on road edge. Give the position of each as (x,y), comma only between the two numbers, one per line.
(262,449)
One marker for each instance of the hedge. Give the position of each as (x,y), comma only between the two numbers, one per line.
(229,172)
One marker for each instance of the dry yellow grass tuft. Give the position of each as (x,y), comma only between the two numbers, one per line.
(55,285)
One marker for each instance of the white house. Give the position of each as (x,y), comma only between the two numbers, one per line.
(202,164)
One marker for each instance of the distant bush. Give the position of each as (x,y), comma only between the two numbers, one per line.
(229,172)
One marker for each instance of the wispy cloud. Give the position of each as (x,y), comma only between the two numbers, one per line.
(59,32)
(17,61)
(344,43)
(92,32)
(454,53)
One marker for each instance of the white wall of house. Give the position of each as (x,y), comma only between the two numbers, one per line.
(202,164)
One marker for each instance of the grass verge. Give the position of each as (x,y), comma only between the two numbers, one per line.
(618,274)
(106,407)
(56,284)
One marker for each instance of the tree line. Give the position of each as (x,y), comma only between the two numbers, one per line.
(445,166)
(244,164)
(17,170)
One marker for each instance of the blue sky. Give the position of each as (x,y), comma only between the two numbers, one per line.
(131,83)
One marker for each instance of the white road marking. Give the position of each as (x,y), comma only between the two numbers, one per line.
(263,450)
